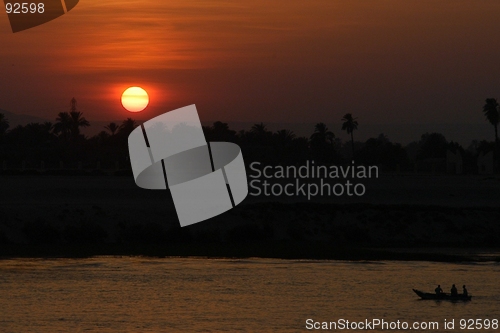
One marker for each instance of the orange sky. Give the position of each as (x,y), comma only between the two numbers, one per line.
(419,61)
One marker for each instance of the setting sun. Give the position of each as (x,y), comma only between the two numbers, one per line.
(135,99)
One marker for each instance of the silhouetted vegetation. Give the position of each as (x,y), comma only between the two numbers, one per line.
(4,125)
(322,145)
(305,230)
(350,125)
(61,146)
(490,110)
(380,151)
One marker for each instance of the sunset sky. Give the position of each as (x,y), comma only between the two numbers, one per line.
(392,61)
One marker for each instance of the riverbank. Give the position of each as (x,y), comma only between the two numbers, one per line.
(88,216)
(275,250)
(268,230)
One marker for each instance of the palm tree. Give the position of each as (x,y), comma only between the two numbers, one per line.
(260,134)
(127,126)
(219,126)
(490,110)
(220,131)
(259,129)
(77,121)
(321,144)
(285,136)
(322,135)
(62,126)
(68,124)
(4,124)
(112,127)
(350,125)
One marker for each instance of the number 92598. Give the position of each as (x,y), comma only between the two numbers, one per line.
(25,8)
(478,324)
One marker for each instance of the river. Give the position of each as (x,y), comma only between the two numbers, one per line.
(136,294)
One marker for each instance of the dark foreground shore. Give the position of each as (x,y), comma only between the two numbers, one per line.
(89,216)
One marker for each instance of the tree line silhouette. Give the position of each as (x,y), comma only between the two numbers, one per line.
(62,144)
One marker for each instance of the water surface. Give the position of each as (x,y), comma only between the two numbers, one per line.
(135,294)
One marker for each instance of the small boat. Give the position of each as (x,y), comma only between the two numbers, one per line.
(442,296)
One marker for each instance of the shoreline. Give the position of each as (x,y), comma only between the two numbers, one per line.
(401,218)
(280,250)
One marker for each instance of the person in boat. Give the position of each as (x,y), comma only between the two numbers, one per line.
(465,293)
(438,290)
(454,291)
